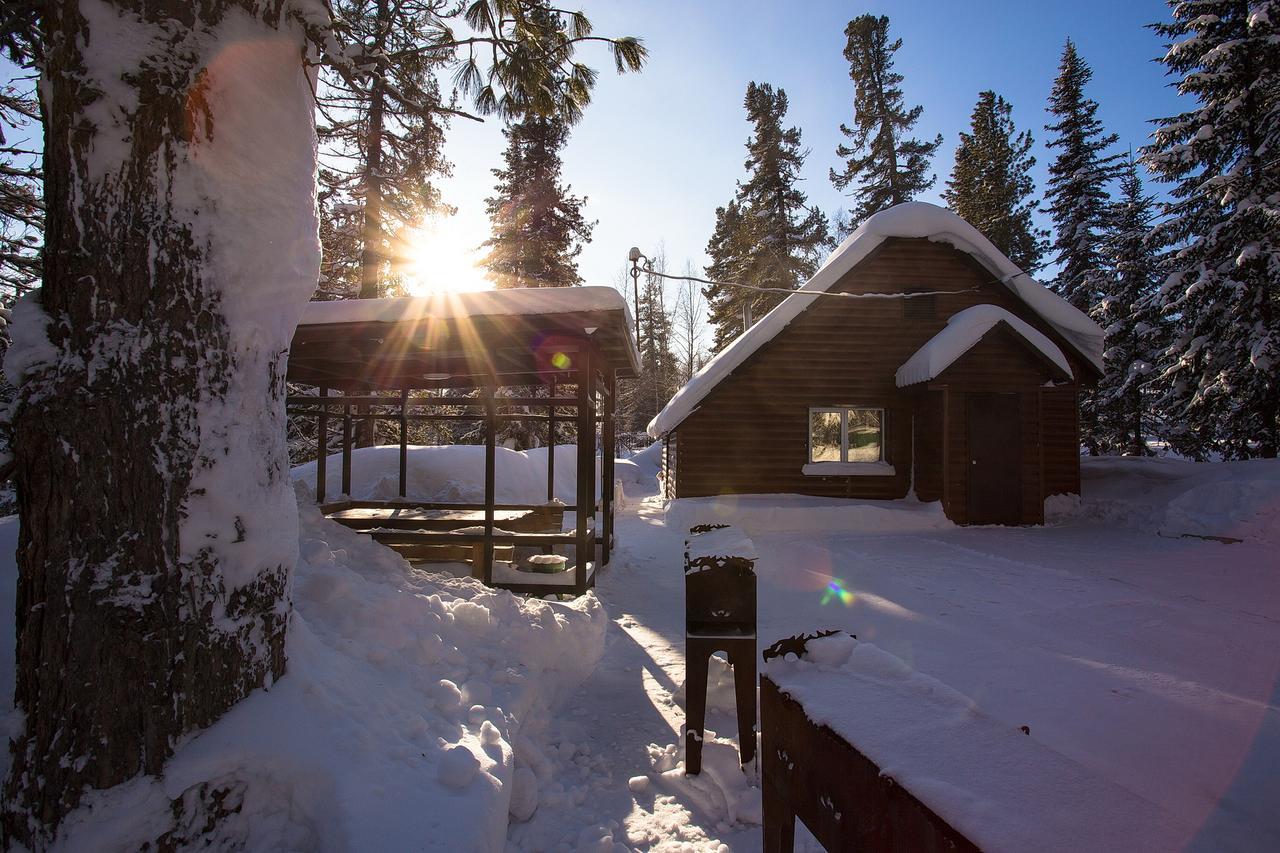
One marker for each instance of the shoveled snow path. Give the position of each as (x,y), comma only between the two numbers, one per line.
(1152,662)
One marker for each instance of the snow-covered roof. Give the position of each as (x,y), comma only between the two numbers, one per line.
(915,219)
(962,331)
(478,303)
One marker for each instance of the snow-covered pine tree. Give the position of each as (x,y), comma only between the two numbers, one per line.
(158,519)
(1222,284)
(1076,196)
(1136,334)
(767,237)
(1077,200)
(537,225)
(887,164)
(21,212)
(991,186)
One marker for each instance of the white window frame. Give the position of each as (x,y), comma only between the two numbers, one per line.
(845,466)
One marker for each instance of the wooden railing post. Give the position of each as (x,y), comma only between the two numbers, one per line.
(322,445)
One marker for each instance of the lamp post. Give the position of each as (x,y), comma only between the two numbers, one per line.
(635,256)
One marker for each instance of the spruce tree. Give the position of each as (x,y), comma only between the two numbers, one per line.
(1135,331)
(888,165)
(1076,196)
(991,186)
(383,135)
(537,225)
(1222,275)
(767,237)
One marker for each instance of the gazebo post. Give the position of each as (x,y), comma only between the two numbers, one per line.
(322,444)
(490,490)
(607,464)
(404,440)
(346,448)
(551,444)
(584,539)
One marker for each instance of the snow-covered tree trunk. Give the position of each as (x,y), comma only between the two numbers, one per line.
(158,522)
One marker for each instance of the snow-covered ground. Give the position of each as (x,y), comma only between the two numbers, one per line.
(1148,660)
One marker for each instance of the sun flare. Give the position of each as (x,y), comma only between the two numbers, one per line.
(441,259)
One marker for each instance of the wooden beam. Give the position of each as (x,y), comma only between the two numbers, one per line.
(490,486)
(404,442)
(585,542)
(551,440)
(346,449)
(322,449)
(607,454)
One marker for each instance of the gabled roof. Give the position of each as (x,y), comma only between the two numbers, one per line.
(911,220)
(962,332)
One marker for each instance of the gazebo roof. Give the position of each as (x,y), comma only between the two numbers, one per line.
(516,336)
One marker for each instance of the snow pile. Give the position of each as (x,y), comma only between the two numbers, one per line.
(450,474)
(801,513)
(962,332)
(1000,787)
(398,725)
(915,219)
(1240,500)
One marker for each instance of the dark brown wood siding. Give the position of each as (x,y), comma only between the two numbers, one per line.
(750,434)
(1061,414)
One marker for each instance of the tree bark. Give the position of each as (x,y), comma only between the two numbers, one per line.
(158,524)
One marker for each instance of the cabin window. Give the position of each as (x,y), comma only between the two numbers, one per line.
(846,434)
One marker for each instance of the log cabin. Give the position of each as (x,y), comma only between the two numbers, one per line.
(919,360)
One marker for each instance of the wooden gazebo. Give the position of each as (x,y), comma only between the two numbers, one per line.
(555,354)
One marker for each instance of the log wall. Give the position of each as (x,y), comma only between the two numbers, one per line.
(750,434)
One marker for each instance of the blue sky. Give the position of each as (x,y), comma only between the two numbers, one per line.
(658,151)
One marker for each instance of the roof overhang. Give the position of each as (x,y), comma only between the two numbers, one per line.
(963,332)
(462,340)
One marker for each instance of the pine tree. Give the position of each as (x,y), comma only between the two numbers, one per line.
(1076,196)
(1222,284)
(383,135)
(21,211)
(384,115)
(767,237)
(1136,334)
(991,186)
(888,165)
(156,334)
(538,228)
(658,372)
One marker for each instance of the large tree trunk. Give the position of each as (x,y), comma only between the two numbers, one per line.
(159,527)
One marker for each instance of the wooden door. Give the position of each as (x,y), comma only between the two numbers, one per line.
(995,459)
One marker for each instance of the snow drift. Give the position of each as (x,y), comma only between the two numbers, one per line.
(397,725)
(1240,500)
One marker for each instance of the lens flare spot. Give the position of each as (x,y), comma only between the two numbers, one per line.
(835,591)
(560,361)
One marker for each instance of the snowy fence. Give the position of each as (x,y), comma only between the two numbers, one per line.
(845,799)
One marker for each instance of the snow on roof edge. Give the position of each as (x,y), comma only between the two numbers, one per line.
(913,219)
(475,303)
(962,332)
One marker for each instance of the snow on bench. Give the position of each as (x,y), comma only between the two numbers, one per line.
(998,786)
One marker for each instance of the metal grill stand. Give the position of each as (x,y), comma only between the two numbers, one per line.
(720,616)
